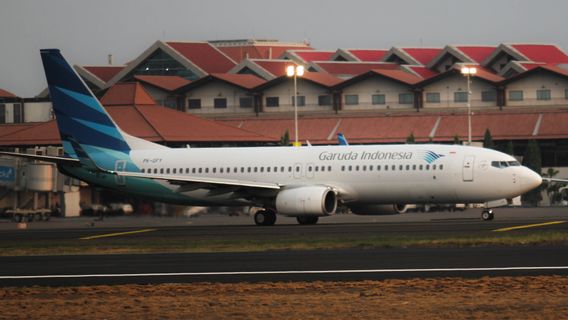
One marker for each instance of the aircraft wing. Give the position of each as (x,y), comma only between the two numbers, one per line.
(211,182)
(52,159)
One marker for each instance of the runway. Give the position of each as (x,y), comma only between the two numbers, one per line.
(336,265)
(283,265)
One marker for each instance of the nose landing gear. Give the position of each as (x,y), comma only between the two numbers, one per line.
(487,215)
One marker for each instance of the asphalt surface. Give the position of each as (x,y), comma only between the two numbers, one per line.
(342,264)
(337,265)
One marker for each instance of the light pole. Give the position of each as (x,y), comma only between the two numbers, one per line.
(295,71)
(468,72)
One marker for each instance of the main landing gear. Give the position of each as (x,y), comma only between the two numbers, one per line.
(487,215)
(307,219)
(265,218)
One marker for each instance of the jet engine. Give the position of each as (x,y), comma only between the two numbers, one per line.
(309,200)
(378,209)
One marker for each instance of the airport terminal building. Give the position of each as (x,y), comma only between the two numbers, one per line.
(236,92)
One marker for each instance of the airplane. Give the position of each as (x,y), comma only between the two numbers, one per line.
(302,182)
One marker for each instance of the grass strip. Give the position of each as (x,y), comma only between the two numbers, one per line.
(176,245)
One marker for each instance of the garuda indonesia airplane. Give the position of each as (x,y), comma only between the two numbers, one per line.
(302,182)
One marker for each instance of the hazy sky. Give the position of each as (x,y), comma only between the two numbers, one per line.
(87,31)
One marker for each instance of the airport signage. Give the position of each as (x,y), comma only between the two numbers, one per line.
(7,174)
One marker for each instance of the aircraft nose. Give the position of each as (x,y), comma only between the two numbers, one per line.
(530,180)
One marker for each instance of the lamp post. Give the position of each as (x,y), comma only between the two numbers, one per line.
(295,72)
(468,72)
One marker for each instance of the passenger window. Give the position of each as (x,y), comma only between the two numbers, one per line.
(350,168)
(433,167)
(161,170)
(414,167)
(255,169)
(393,167)
(427,167)
(364,168)
(309,168)
(221,170)
(379,167)
(407,167)
(174,170)
(297,168)
(420,167)
(370,168)
(261,169)
(200,170)
(193,170)
(267,169)
(187,170)
(289,169)
(386,168)
(214,170)
(142,170)
(316,168)
(242,170)
(167,170)
(356,168)
(206,170)
(249,169)
(400,167)
(329,168)
(342,168)
(441,167)
(155,170)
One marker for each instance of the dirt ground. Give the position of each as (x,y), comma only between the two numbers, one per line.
(543,297)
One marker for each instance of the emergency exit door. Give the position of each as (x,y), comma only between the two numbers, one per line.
(468,168)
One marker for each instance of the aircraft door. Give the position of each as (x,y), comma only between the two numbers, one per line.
(120,165)
(468,168)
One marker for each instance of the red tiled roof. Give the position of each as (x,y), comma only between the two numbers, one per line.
(169,83)
(399,75)
(422,55)
(104,73)
(257,51)
(6,94)
(275,67)
(353,68)
(477,53)
(553,126)
(422,71)
(314,130)
(482,73)
(204,55)
(247,81)
(368,54)
(322,78)
(555,69)
(503,126)
(6,129)
(131,93)
(172,125)
(541,53)
(530,65)
(153,123)
(313,55)
(39,133)
(386,129)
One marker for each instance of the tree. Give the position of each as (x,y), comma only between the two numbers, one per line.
(457,139)
(285,139)
(532,160)
(488,140)
(509,148)
(552,188)
(410,139)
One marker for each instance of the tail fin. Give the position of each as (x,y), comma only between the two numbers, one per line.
(82,119)
(342,140)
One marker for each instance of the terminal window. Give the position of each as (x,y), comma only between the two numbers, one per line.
(378,99)
(516,95)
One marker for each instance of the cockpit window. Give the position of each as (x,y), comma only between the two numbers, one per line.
(504,164)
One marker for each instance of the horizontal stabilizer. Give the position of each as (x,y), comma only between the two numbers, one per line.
(52,159)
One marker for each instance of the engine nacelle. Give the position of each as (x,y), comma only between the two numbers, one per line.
(309,200)
(378,209)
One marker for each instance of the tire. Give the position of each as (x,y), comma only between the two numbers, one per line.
(487,215)
(265,218)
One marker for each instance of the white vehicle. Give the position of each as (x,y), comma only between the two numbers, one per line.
(302,182)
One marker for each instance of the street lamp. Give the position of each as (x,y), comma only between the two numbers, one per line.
(295,71)
(469,72)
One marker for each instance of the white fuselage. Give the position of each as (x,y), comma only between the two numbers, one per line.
(379,174)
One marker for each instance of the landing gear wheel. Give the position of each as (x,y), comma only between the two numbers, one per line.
(265,218)
(487,215)
(307,219)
